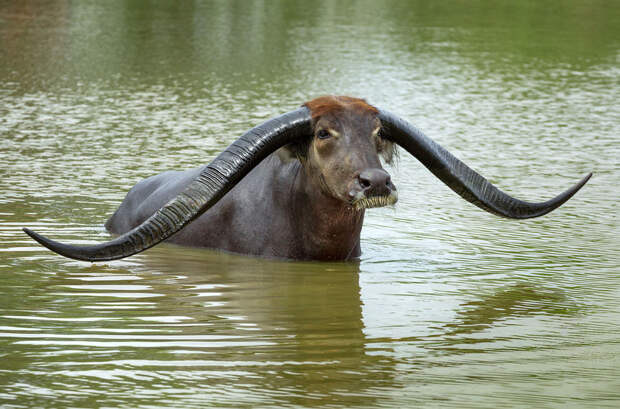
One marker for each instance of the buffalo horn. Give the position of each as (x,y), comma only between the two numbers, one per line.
(221,175)
(459,177)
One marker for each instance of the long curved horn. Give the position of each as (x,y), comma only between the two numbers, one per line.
(459,177)
(221,175)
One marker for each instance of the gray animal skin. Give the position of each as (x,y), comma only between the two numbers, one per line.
(273,212)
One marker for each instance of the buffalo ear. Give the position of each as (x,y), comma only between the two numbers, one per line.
(297,150)
(388,151)
(287,153)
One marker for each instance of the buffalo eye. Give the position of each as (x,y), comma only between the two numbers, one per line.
(323,134)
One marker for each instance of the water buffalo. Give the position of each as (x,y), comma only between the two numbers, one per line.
(294,187)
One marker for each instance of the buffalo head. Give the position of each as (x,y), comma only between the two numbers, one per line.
(342,152)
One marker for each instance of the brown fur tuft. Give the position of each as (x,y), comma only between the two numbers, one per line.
(336,104)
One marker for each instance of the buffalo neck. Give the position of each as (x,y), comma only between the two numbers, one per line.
(329,229)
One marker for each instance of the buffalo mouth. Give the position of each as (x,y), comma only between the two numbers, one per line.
(375,201)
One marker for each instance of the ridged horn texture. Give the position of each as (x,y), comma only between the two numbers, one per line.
(221,175)
(463,180)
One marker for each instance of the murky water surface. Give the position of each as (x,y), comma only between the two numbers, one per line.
(448,307)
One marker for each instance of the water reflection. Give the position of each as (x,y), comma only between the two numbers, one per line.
(506,304)
(256,42)
(293,329)
(308,314)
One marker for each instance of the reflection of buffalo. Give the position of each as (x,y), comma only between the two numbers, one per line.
(296,328)
(306,202)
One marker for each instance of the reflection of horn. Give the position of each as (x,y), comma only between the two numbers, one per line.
(211,185)
(463,180)
(518,300)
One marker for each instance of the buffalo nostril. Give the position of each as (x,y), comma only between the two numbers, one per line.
(375,182)
(365,183)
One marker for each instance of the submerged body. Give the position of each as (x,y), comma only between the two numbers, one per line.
(275,211)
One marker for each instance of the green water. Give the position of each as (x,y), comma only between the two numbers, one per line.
(448,307)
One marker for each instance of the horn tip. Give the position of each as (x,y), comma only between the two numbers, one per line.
(583,181)
(39,238)
(59,248)
(32,234)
